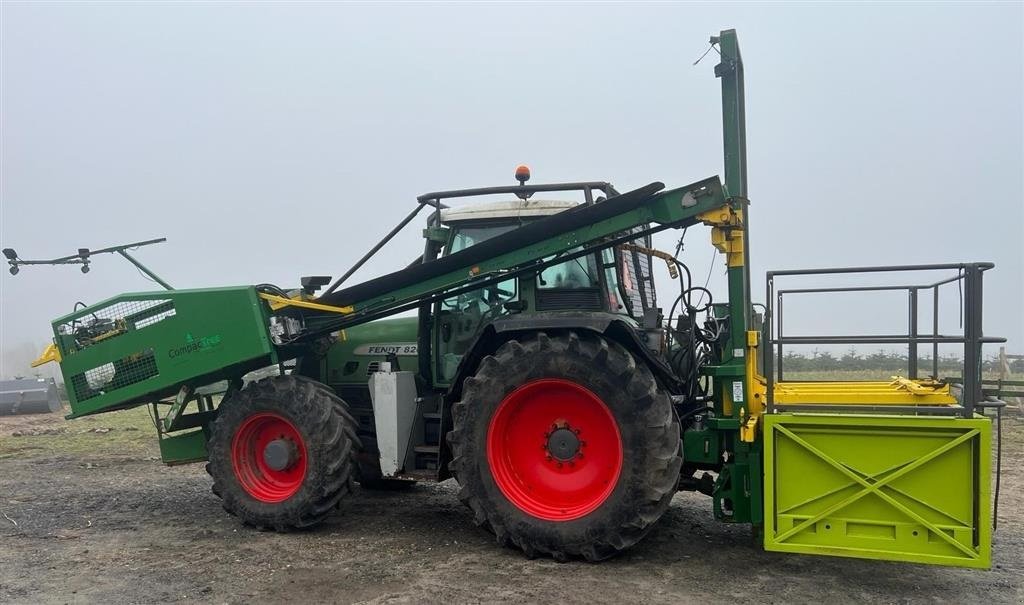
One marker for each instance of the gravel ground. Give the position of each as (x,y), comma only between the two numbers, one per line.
(89,514)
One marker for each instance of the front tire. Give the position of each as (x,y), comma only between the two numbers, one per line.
(565,446)
(282,453)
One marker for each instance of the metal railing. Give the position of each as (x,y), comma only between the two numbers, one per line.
(968,278)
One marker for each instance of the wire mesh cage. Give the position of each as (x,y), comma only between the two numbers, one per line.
(111,320)
(130,369)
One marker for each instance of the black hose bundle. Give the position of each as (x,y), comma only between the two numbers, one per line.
(690,345)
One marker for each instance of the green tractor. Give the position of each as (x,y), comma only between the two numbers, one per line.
(525,355)
(544,375)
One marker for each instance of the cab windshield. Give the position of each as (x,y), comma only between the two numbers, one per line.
(468,235)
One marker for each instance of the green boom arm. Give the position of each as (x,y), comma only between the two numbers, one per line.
(676,208)
(139,348)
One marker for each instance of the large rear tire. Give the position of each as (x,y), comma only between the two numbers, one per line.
(282,453)
(565,446)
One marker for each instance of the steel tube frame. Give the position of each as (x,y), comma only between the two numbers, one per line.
(140,267)
(387,238)
(969,273)
(518,190)
(935,410)
(912,321)
(882,339)
(434,199)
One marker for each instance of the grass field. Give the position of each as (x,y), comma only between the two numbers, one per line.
(128,432)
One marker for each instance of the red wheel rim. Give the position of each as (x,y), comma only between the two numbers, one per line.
(534,466)
(252,470)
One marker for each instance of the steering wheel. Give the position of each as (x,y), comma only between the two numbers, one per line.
(494,295)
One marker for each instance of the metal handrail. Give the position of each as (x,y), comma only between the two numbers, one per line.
(972,339)
(882,339)
(527,190)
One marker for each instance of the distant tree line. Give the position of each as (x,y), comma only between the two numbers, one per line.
(821,361)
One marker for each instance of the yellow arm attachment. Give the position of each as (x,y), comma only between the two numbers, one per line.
(756,390)
(725,235)
(280,302)
(50,353)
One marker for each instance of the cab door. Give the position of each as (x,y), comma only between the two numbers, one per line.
(459,319)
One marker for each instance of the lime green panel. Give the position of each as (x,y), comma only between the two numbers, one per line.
(899,488)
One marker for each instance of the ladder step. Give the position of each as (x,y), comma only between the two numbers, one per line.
(427,449)
(431,415)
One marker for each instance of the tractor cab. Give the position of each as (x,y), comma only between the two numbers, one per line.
(613,280)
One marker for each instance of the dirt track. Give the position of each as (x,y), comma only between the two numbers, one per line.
(93,516)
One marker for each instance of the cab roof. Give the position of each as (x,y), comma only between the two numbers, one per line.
(505,209)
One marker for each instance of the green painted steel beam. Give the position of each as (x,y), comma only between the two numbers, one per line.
(734,129)
(676,208)
(734,147)
(183,448)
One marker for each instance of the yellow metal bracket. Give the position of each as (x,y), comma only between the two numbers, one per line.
(899,391)
(120,327)
(50,353)
(757,390)
(919,387)
(723,216)
(726,225)
(748,430)
(280,302)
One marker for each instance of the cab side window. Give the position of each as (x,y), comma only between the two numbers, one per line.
(576,273)
(461,317)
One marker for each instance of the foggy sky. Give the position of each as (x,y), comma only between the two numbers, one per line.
(270,141)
